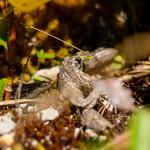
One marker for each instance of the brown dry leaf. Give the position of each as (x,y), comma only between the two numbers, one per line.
(135,47)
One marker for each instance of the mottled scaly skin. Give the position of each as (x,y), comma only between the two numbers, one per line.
(73,83)
(76,85)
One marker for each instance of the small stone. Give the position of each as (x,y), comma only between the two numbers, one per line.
(30,108)
(46,74)
(90,133)
(23,105)
(19,111)
(76,132)
(6,123)
(48,114)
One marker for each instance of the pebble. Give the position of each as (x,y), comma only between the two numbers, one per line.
(48,114)
(6,124)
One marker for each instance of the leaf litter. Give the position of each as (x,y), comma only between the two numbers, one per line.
(68,130)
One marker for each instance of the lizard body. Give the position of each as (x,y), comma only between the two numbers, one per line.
(75,84)
(78,87)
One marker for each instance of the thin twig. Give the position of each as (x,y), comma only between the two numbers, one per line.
(18,91)
(17,101)
(44,32)
(55,38)
(128,77)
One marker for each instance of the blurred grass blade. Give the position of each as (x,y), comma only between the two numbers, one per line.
(3,84)
(3,43)
(94,144)
(3,32)
(140,127)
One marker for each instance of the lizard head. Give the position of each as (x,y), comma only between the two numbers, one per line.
(78,62)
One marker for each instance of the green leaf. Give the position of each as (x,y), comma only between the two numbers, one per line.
(3,43)
(85,58)
(115,65)
(119,58)
(140,131)
(3,84)
(27,5)
(42,55)
(37,78)
(94,144)
(62,53)
(3,32)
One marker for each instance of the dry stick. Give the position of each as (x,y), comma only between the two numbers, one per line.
(4,9)
(118,75)
(17,101)
(18,91)
(11,54)
(128,77)
(55,38)
(11,50)
(12,40)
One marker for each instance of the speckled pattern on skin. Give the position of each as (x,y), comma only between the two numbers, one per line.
(76,85)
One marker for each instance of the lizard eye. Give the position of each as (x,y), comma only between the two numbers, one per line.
(79,62)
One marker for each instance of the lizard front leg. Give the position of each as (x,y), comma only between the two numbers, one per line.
(76,96)
(69,91)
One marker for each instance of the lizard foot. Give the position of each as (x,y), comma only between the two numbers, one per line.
(92,119)
(107,106)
